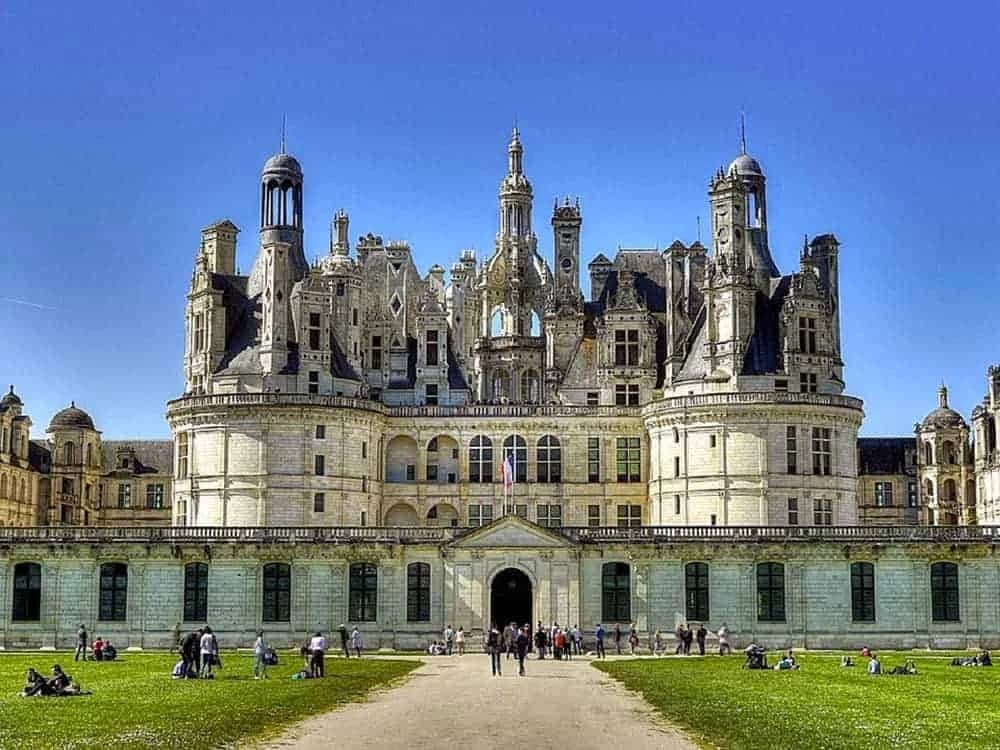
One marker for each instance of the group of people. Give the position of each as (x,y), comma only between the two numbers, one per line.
(453,641)
(559,642)
(59,684)
(199,652)
(313,651)
(101,649)
(514,641)
(982,659)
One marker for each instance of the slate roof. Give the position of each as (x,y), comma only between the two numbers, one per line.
(151,456)
(763,349)
(885,455)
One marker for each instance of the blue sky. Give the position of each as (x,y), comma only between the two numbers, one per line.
(128,127)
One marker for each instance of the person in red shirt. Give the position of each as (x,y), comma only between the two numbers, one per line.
(98,649)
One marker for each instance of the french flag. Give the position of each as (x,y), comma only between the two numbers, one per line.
(508,473)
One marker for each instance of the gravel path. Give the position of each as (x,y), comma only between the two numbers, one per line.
(454,703)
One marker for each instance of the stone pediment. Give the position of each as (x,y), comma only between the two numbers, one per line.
(512,531)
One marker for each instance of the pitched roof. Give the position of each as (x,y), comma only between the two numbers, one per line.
(885,455)
(151,456)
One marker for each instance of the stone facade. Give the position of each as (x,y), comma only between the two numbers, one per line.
(781,586)
(986,460)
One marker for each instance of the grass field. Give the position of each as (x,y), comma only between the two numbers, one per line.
(135,704)
(822,705)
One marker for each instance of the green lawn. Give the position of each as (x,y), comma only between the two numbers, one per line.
(135,704)
(822,705)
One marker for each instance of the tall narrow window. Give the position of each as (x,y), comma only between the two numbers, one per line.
(431,394)
(593,516)
(199,332)
(863,592)
(313,381)
(154,496)
(696,591)
(321,432)
(549,460)
(593,459)
(27,593)
(182,455)
(481,460)
(432,348)
(314,331)
(277,593)
(319,465)
(376,352)
(793,511)
(516,450)
(770,592)
(911,495)
(114,592)
(418,592)
(319,502)
(791,451)
(807,335)
(354,316)
(627,456)
(124,495)
(616,592)
(944,592)
(883,494)
(821,450)
(363,592)
(195,592)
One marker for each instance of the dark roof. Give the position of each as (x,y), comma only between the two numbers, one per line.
(151,456)
(39,455)
(943,417)
(456,380)
(885,455)
(763,350)
(10,399)
(339,366)
(71,418)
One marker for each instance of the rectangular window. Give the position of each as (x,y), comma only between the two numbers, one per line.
(627,394)
(821,451)
(616,592)
(696,591)
(629,515)
(480,515)
(411,472)
(593,459)
(319,502)
(593,398)
(521,510)
(883,494)
(321,432)
(627,457)
(313,382)
(364,449)
(124,495)
(677,505)
(418,592)
(549,515)
(863,592)
(276,593)
(627,348)
(431,394)
(154,496)
(944,592)
(593,516)
(362,592)
(807,382)
(199,332)
(195,592)
(354,316)
(376,352)
(314,331)
(822,512)
(911,495)
(711,441)
(113,592)
(319,465)
(793,511)
(432,348)
(770,592)
(182,457)
(781,385)
(432,472)
(677,466)
(807,335)
(791,451)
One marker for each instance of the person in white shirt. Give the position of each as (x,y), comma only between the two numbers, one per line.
(208,645)
(317,647)
(449,636)
(460,640)
(357,642)
(874,666)
(259,651)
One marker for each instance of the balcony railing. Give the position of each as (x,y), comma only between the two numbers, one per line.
(755,397)
(440,535)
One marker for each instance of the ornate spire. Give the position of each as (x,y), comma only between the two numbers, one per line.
(743,132)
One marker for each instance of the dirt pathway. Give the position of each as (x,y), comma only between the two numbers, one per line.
(454,703)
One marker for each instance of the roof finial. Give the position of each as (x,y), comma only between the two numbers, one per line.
(516,133)
(743,132)
(283,134)
(698,218)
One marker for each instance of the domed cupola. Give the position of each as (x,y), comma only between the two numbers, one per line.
(10,399)
(71,418)
(943,417)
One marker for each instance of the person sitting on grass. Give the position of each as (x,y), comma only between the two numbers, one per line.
(61,684)
(846,661)
(866,652)
(110,652)
(874,665)
(984,659)
(98,649)
(907,668)
(34,684)
(787,662)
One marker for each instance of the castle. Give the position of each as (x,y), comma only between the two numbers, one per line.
(360,442)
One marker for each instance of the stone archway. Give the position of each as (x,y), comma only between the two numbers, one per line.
(511,598)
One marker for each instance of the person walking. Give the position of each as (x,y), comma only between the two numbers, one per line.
(522,643)
(633,640)
(679,635)
(599,636)
(81,643)
(357,642)
(617,635)
(207,653)
(344,639)
(449,639)
(493,643)
(189,652)
(460,640)
(724,647)
(259,652)
(688,637)
(509,635)
(317,647)
(700,636)
(577,640)
(540,642)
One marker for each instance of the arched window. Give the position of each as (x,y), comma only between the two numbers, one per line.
(948,491)
(362,599)
(928,453)
(549,455)
(616,593)
(863,592)
(948,449)
(516,450)
(89,453)
(501,385)
(114,592)
(770,592)
(69,453)
(944,592)
(928,489)
(536,324)
(481,460)
(696,591)
(418,592)
(277,593)
(195,592)
(27,592)
(529,386)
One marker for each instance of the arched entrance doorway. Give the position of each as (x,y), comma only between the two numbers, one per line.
(510,598)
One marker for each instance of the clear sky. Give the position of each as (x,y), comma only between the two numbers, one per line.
(128,127)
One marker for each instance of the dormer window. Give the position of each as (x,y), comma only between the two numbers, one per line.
(627,348)
(432,348)
(807,335)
